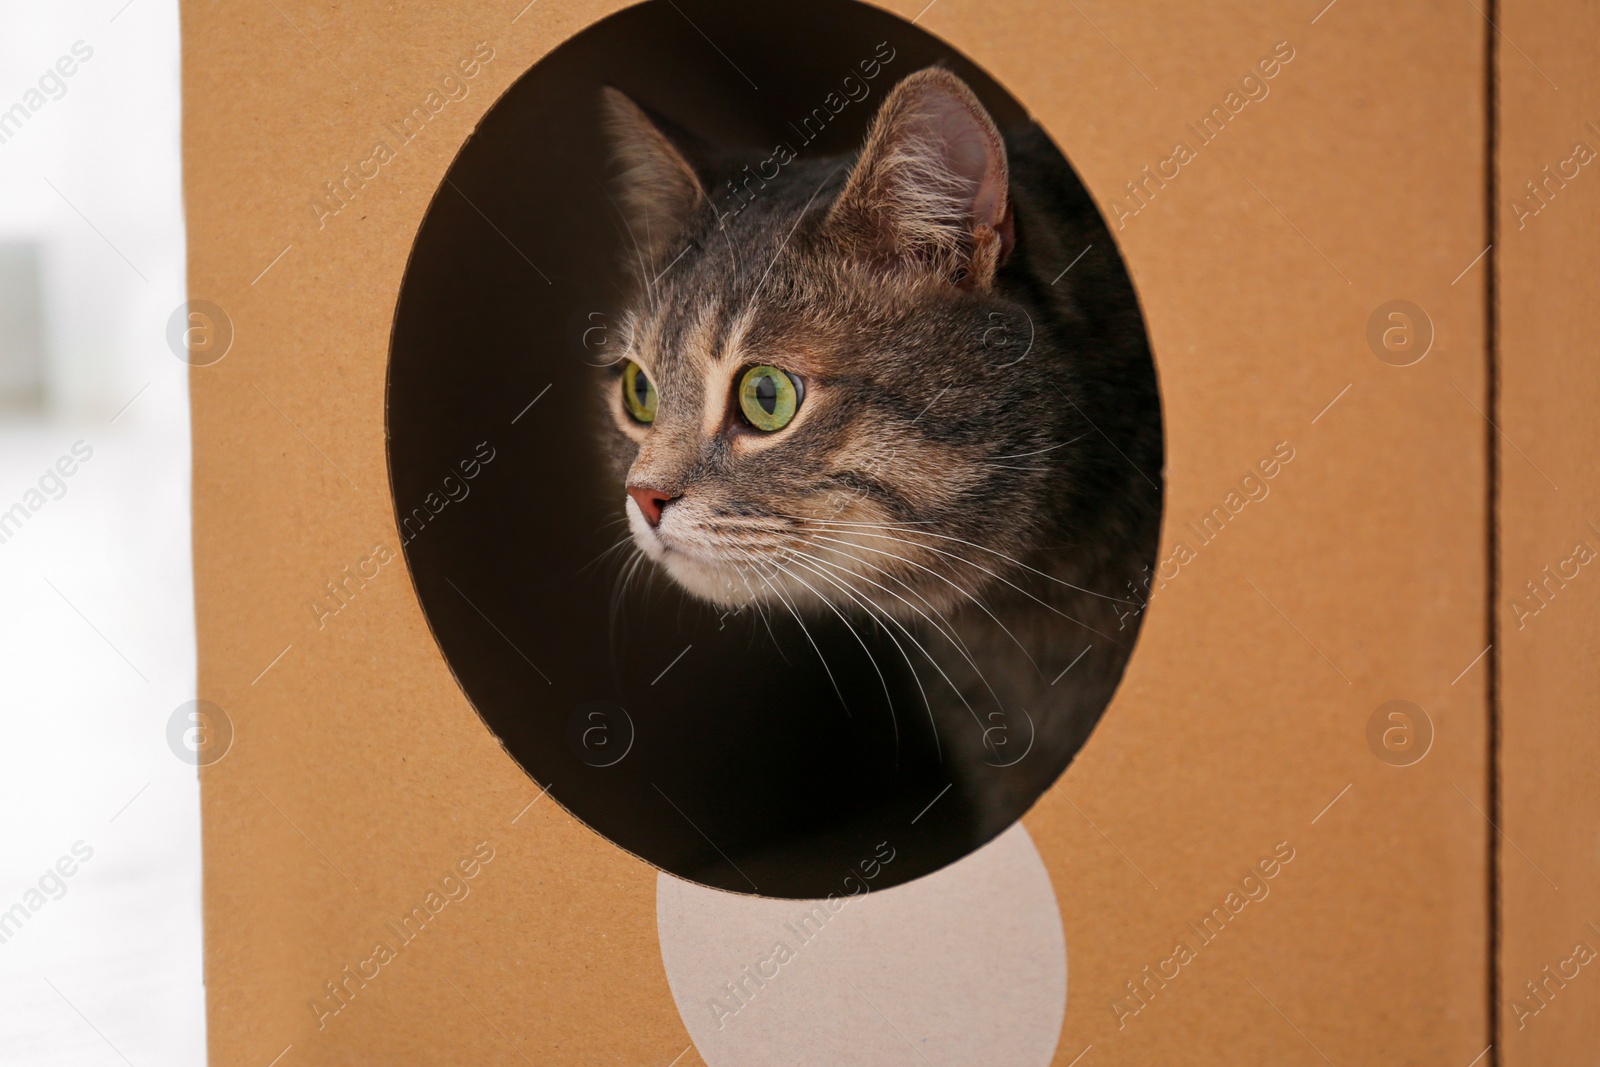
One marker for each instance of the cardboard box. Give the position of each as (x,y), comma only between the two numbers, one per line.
(1546,862)
(1318,237)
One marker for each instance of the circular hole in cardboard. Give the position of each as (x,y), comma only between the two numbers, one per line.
(737,748)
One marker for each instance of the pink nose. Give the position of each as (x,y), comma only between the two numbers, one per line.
(650,502)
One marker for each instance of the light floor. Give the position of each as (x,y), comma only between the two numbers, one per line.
(96,651)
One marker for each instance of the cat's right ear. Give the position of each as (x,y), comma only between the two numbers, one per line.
(657,187)
(930,191)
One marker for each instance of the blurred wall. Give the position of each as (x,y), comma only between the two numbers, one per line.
(89,175)
(97,639)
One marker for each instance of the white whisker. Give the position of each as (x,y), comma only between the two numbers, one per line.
(973,544)
(1001,579)
(893,721)
(809,639)
(976,669)
(966,593)
(866,603)
(606,553)
(1042,451)
(901,582)
(926,704)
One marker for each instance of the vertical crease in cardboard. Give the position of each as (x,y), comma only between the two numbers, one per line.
(1491,313)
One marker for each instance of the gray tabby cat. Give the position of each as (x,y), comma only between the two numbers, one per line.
(878,395)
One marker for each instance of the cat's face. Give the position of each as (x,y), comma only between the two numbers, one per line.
(811,407)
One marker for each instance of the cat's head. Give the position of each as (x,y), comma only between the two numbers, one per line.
(824,394)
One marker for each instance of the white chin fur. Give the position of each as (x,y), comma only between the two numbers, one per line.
(715,581)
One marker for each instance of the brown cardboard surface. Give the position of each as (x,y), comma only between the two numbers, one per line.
(1548,862)
(359,774)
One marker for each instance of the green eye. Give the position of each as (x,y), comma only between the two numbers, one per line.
(638,393)
(769,397)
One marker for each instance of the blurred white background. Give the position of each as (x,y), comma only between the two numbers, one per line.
(102,966)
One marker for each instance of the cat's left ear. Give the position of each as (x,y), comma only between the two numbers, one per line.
(658,187)
(930,191)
